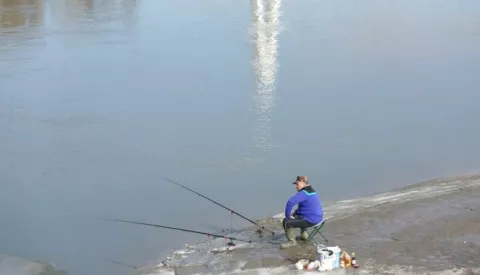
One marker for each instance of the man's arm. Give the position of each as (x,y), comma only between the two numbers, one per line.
(295,199)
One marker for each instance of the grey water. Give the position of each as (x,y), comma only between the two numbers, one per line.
(100,99)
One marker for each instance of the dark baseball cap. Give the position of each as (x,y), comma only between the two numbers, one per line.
(301,178)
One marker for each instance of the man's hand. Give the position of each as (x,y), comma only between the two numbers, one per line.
(292,216)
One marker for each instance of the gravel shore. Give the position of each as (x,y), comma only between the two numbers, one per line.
(437,233)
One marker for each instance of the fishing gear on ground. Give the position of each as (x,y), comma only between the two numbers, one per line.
(261,227)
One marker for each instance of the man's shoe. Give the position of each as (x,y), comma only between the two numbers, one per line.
(291,239)
(288,244)
(303,236)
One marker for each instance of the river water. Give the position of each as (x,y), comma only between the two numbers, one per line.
(100,99)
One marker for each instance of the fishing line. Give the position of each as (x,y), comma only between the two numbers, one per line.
(221,205)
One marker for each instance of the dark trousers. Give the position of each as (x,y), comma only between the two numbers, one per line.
(297,222)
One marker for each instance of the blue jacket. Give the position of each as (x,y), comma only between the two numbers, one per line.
(309,205)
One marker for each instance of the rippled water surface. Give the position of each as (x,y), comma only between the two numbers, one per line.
(100,99)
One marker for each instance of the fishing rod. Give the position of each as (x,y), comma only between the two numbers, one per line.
(184,230)
(221,205)
(122,264)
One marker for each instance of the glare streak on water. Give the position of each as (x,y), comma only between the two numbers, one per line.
(266,28)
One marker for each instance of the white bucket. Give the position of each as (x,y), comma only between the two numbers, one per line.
(327,261)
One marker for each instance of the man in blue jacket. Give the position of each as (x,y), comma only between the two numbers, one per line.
(309,211)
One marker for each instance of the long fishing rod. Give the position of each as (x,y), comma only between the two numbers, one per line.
(184,230)
(122,264)
(219,204)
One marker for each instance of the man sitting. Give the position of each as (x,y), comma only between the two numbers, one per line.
(309,211)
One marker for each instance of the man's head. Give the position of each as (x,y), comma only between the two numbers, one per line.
(301,182)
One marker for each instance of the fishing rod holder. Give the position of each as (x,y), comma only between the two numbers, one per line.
(261,229)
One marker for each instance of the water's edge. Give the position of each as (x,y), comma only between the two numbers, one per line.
(431,227)
(10,265)
(386,230)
